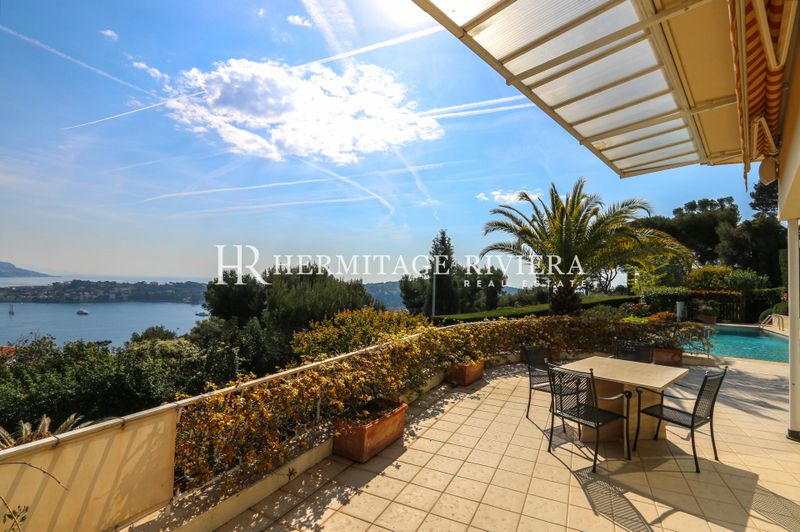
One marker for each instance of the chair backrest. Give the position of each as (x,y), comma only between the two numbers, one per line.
(633,351)
(707,396)
(537,357)
(571,389)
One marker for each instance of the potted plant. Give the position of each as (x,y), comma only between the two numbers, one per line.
(466,363)
(464,374)
(371,414)
(707,312)
(362,438)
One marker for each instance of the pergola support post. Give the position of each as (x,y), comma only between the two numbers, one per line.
(794,331)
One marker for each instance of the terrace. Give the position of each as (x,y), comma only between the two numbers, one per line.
(646,86)
(470,459)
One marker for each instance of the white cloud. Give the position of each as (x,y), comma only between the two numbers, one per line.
(110,34)
(261,12)
(508,196)
(297,20)
(154,73)
(270,110)
(330,14)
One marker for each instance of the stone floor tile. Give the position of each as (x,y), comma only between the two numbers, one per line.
(492,518)
(435,480)
(434,523)
(455,508)
(418,497)
(467,488)
(341,522)
(365,506)
(511,480)
(400,518)
(504,498)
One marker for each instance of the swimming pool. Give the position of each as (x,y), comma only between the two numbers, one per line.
(749,342)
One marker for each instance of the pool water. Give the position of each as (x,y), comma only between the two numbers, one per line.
(749,342)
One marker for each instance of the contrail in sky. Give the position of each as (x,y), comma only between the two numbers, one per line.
(267,206)
(71,59)
(133,111)
(481,111)
(377,46)
(472,105)
(234,189)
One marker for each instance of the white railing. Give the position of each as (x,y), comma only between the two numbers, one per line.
(113,472)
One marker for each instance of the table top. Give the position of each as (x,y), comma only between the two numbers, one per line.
(650,376)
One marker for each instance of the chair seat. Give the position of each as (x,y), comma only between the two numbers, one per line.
(674,416)
(590,416)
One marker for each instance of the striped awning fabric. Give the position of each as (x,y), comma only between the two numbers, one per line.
(762,94)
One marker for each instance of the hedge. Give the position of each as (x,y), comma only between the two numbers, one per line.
(241,435)
(532,310)
(663,298)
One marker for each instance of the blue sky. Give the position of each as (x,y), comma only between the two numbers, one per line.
(232,132)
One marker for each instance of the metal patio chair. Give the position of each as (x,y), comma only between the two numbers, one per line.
(701,414)
(632,351)
(575,399)
(538,356)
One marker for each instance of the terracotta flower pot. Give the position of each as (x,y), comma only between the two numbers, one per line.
(707,319)
(362,441)
(668,356)
(465,374)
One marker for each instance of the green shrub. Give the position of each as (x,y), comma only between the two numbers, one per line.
(745,281)
(663,298)
(709,278)
(606,312)
(764,314)
(781,308)
(353,329)
(637,310)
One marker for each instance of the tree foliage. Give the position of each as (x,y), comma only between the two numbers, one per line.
(578,225)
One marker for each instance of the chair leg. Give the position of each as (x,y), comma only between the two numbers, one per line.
(530,394)
(714,443)
(658,429)
(694,452)
(552,423)
(596,448)
(638,425)
(579,431)
(627,437)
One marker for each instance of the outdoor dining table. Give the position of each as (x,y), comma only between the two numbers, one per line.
(612,376)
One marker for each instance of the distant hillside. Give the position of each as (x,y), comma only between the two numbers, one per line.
(388,293)
(9,270)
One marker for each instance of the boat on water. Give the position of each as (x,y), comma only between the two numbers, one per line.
(11,310)
(82,312)
(202,314)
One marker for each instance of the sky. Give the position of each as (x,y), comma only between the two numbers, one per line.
(135,137)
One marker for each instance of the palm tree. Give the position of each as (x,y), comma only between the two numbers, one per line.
(579,225)
(27,434)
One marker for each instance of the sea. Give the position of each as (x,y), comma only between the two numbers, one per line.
(106,321)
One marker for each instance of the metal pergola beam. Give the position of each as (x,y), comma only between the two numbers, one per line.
(429,7)
(662,159)
(621,81)
(651,150)
(645,137)
(646,23)
(589,60)
(622,107)
(561,30)
(485,15)
(664,117)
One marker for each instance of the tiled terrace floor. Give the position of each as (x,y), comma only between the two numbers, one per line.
(471,460)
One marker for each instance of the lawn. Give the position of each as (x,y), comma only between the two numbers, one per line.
(537,310)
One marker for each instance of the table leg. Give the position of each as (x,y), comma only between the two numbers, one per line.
(614,431)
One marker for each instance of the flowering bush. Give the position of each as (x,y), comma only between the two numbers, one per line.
(245,433)
(662,316)
(638,310)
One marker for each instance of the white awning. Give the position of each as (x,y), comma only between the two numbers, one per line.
(603,69)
